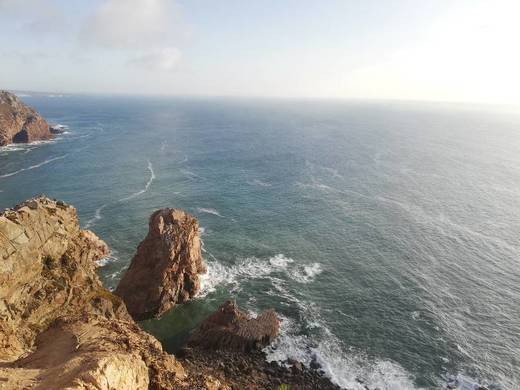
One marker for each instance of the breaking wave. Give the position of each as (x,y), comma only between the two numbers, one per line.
(34,166)
(98,213)
(27,147)
(97,216)
(146,187)
(349,370)
(254,268)
(111,258)
(209,211)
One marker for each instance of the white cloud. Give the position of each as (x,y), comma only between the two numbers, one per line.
(143,30)
(165,59)
(130,24)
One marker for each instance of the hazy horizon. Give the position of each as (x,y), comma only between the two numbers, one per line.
(439,51)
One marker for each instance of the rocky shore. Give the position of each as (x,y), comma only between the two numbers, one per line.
(61,329)
(19,123)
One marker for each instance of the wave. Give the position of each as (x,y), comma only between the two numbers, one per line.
(259,183)
(97,216)
(146,187)
(27,147)
(209,211)
(315,185)
(349,370)
(163,146)
(306,273)
(34,166)
(111,258)
(254,268)
(311,342)
(316,168)
(191,175)
(83,136)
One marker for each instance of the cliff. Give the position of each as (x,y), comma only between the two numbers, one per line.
(20,123)
(60,329)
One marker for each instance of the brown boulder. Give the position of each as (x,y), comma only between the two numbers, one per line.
(165,269)
(230,329)
(19,123)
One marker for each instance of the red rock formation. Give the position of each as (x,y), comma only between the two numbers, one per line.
(20,123)
(230,329)
(165,270)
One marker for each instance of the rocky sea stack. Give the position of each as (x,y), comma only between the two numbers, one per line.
(19,123)
(165,270)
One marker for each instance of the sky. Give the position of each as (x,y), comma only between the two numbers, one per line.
(439,50)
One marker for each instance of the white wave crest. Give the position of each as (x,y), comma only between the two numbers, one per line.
(209,211)
(254,268)
(348,370)
(111,258)
(27,147)
(146,187)
(259,183)
(97,216)
(34,166)
(306,273)
(280,261)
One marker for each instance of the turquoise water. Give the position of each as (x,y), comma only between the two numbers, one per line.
(385,234)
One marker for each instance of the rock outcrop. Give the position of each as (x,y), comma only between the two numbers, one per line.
(165,270)
(20,123)
(59,328)
(231,329)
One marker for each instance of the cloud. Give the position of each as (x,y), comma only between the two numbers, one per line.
(35,16)
(144,30)
(165,59)
(129,24)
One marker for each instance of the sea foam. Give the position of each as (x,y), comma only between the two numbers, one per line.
(146,187)
(34,166)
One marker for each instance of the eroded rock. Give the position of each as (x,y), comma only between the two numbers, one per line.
(230,329)
(59,328)
(19,123)
(46,270)
(165,269)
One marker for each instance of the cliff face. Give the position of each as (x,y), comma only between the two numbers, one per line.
(20,123)
(165,270)
(59,328)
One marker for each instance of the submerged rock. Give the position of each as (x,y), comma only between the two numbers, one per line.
(230,329)
(165,269)
(19,123)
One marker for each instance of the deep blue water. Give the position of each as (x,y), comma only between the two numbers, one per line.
(385,234)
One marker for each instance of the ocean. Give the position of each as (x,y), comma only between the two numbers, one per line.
(385,234)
